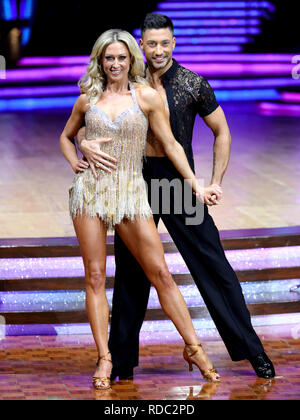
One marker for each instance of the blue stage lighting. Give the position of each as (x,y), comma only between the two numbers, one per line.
(29,104)
(26,32)
(26,7)
(247,95)
(10,10)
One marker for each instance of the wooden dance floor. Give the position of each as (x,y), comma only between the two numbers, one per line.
(261,185)
(261,190)
(61,368)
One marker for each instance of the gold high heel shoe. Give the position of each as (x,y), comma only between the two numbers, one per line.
(211,374)
(105,380)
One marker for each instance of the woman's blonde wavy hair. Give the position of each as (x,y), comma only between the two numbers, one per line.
(93,81)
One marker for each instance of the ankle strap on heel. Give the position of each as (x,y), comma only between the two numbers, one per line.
(193,345)
(103,358)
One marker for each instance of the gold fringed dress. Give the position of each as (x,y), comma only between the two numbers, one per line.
(121,194)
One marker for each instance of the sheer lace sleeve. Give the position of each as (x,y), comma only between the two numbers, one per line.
(206,102)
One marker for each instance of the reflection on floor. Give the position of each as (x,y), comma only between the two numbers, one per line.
(60,367)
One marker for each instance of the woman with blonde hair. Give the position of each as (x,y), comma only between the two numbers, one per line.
(117,104)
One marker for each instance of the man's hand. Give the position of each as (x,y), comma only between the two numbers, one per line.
(210,195)
(91,149)
(80,166)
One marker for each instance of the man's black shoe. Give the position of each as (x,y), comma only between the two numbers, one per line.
(263,366)
(122,374)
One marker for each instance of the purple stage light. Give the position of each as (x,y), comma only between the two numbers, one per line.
(67,102)
(73,73)
(53,61)
(14,9)
(216,31)
(152,331)
(248,259)
(273,82)
(203,49)
(83,60)
(74,300)
(29,104)
(212,24)
(290,97)
(37,91)
(178,23)
(276,109)
(240,69)
(240,58)
(194,40)
(184,14)
(46,329)
(46,74)
(210,69)
(216,5)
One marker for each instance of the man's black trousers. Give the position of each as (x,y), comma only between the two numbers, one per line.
(204,256)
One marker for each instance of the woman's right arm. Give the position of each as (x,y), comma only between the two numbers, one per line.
(71,129)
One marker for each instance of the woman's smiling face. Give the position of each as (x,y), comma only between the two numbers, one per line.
(116,61)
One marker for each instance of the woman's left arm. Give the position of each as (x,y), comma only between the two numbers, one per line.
(67,146)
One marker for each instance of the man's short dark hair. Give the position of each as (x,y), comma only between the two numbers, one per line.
(156,21)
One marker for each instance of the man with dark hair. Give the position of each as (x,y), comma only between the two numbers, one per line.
(156,21)
(185,95)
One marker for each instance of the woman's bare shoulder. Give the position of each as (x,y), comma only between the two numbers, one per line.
(83,99)
(146,92)
(82,103)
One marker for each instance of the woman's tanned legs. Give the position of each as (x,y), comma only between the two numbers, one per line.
(91,234)
(143,241)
